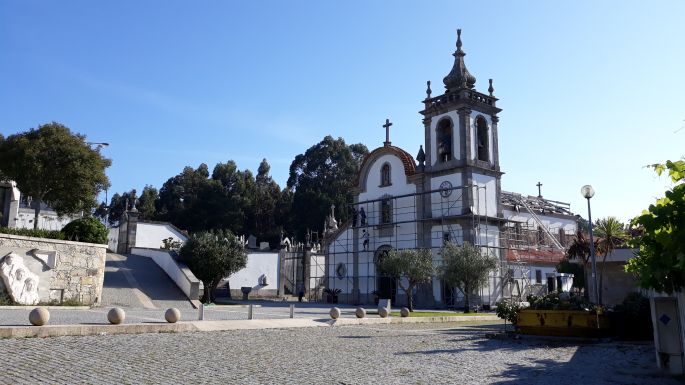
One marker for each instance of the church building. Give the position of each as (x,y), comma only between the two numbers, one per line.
(450,192)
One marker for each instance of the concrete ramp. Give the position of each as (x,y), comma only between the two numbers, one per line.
(134,281)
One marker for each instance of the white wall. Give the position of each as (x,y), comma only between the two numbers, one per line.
(451,205)
(47,220)
(398,179)
(150,235)
(113,238)
(257,265)
(552,223)
(485,195)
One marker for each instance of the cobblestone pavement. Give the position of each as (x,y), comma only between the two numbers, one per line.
(394,354)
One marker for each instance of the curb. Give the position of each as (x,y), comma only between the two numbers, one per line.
(51,307)
(200,326)
(409,320)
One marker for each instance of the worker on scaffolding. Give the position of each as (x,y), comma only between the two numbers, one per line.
(365,237)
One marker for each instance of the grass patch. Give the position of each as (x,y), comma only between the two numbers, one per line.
(437,314)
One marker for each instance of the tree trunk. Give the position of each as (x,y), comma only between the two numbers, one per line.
(410,298)
(36,212)
(207,290)
(467,307)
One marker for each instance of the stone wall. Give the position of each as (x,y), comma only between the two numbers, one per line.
(66,269)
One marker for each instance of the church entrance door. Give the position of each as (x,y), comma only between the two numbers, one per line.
(386,287)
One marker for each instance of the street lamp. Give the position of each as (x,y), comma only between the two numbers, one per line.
(98,145)
(588,192)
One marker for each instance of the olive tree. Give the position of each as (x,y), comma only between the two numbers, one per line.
(54,166)
(212,256)
(415,266)
(465,267)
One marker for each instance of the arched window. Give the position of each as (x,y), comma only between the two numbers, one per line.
(444,140)
(386,211)
(483,149)
(385,175)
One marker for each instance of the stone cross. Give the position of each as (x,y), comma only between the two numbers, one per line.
(387,132)
(539,190)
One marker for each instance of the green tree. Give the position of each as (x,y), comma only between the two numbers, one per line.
(465,267)
(610,235)
(414,266)
(267,199)
(54,166)
(213,256)
(186,198)
(117,207)
(146,202)
(660,261)
(322,176)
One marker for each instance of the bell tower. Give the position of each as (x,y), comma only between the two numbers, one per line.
(461,148)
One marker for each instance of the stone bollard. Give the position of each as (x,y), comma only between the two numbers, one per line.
(404,312)
(360,312)
(116,315)
(172,315)
(39,316)
(335,313)
(383,312)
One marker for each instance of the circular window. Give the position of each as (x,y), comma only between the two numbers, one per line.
(341,270)
(445,189)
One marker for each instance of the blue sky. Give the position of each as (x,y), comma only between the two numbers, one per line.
(591,92)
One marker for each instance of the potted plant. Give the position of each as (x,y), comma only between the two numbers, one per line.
(332,295)
(562,314)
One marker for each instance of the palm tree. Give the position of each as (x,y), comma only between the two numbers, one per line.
(611,235)
(580,249)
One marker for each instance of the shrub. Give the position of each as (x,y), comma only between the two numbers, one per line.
(632,319)
(50,234)
(86,229)
(561,301)
(508,310)
(171,244)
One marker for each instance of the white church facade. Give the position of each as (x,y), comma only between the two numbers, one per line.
(451,192)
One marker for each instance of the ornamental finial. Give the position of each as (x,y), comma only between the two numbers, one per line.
(459,77)
(490,89)
(428,90)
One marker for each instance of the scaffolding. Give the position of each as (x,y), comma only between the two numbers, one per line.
(348,256)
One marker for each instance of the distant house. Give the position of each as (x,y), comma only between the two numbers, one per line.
(17,213)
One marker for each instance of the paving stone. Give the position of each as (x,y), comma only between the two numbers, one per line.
(403,354)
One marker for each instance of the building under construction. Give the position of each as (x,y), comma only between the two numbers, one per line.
(450,192)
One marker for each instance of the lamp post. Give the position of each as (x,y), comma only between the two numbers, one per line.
(588,192)
(99,146)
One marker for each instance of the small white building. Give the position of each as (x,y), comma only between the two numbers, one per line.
(450,192)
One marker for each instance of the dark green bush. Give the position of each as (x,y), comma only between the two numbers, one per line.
(632,320)
(51,234)
(86,229)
